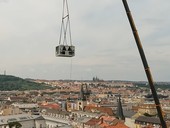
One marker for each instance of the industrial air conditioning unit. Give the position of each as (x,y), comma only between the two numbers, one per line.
(65,51)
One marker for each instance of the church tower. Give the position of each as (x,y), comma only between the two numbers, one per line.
(82,101)
(119,112)
(87,92)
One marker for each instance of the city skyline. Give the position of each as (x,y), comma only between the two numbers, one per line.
(101,33)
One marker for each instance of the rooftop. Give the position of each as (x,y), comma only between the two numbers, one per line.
(19,118)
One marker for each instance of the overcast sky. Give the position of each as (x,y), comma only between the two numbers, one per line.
(105,47)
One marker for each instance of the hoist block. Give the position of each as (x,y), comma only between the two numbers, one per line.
(65,51)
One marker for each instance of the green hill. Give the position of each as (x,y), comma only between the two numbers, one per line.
(9,83)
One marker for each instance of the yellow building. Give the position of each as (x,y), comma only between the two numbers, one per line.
(147,108)
(10,110)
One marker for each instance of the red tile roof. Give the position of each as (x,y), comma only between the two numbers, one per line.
(99,109)
(118,125)
(103,125)
(93,122)
(50,106)
(108,118)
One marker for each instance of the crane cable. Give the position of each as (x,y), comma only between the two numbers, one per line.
(71,67)
(65,25)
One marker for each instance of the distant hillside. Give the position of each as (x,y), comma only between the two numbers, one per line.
(9,83)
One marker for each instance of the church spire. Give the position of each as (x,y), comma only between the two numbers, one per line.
(119,112)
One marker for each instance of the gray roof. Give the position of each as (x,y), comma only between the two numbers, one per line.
(66,126)
(146,119)
(83,119)
(47,110)
(40,118)
(88,114)
(19,118)
(128,113)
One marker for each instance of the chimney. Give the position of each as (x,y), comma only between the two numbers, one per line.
(101,120)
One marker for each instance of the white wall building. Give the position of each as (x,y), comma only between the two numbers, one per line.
(22,105)
(27,121)
(35,121)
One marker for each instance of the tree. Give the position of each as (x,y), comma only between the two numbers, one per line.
(16,124)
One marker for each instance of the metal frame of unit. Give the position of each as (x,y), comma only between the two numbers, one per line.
(65,51)
(65,47)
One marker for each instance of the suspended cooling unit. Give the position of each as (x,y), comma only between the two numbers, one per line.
(65,47)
